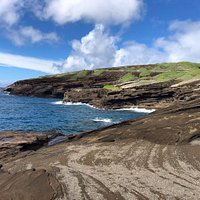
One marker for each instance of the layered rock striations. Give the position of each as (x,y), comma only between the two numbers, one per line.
(150,86)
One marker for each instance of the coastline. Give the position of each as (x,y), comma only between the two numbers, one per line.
(132,108)
(149,156)
(153,157)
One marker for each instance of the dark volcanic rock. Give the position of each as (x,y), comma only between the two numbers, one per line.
(57,86)
(164,146)
(89,88)
(157,95)
(12,143)
(30,185)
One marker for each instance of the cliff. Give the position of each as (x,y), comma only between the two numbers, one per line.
(145,86)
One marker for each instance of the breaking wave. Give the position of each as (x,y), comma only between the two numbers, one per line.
(57,103)
(134,109)
(72,104)
(138,110)
(106,120)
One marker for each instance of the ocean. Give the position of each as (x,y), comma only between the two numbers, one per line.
(30,114)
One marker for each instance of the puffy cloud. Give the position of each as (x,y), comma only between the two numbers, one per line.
(98,11)
(12,60)
(65,11)
(10,11)
(136,53)
(61,11)
(30,34)
(96,49)
(100,49)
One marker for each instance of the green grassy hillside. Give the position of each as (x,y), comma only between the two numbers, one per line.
(137,75)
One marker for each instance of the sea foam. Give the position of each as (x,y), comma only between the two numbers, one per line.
(106,120)
(72,104)
(57,103)
(134,109)
(78,104)
(138,110)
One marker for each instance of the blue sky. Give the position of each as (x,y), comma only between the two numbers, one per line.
(55,36)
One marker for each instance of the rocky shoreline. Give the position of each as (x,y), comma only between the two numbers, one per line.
(154,157)
(108,90)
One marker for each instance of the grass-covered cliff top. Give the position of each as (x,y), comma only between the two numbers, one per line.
(136,75)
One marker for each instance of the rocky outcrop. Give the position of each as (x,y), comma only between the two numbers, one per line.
(12,143)
(156,157)
(106,91)
(144,96)
(57,86)
(157,95)
(149,86)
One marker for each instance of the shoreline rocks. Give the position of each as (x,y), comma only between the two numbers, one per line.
(155,156)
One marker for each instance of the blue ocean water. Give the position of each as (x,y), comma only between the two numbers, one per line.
(40,115)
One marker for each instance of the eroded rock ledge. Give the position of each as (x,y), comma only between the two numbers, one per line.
(93,90)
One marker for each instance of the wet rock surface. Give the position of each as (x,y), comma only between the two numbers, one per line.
(12,143)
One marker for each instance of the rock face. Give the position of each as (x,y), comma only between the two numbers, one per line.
(57,86)
(158,95)
(91,91)
(12,143)
(110,89)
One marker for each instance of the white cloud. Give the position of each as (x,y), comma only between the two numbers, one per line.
(182,44)
(30,34)
(98,11)
(11,60)
(100,49)
(96,49)
(10,11)
(136,53)
(117,12)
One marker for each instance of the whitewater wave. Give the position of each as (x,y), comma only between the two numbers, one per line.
(72,104)
(57,103)
(106,120)
(4,93)
(138,110)
(78,104)
(134,109)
